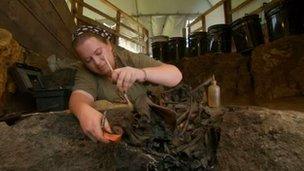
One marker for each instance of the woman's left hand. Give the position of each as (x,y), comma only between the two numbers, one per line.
(126,76)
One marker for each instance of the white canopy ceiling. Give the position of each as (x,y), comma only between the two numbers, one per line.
(135,7)
(162,17)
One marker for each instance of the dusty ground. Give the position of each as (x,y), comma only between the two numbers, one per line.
(55,142)
(252,138)
(286,103)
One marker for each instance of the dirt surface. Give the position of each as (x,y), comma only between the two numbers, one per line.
(278,68)
(44,142)
(55,142)
(252,138)
(230,69)
(288,103)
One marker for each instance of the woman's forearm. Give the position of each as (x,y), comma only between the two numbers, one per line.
(166,74)
(79,103)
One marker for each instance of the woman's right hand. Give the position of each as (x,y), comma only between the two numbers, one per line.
(89,118)
(90,121)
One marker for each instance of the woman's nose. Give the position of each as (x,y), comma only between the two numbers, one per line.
(96,60)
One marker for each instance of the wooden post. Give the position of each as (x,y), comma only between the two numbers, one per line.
(227,11)
(189,30)
(203,18)
(79,10)
(118,17)
(74,10)
(146,33)
(184,32)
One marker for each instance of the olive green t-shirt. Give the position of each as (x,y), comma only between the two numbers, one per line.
(101,88)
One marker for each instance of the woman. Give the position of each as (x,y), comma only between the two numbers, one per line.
(106,70)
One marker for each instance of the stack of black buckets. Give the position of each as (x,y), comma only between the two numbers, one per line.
(285,17)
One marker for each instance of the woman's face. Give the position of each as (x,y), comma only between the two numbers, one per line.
(92,52)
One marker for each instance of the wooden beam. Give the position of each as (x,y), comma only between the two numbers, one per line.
(203,22)
(64,14)
(93,22)
(73,10)
(214,7)
(79,8)
(242,5)
(122,12)
(258,10)
(37,26)
(96,10)
(146,32)
(198,29)
(49,22)
(227,11)
(189,30)
(131,29)
(107,16)
(184,32)
(207,12)
(117,25)
(167,14)
(209,3)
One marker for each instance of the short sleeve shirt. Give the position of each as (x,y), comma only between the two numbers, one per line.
(100,87)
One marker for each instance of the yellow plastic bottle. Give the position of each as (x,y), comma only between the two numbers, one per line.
(214,94)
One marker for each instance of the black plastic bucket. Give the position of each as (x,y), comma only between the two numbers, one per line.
(176,51)
(198,44)
(160,48)
(284,18)
(247,33)
(219,38)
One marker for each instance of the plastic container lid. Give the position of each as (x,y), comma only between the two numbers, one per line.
(198,34)
(160,38)
(245,18)
(271,9)
(176,38)
(218,27)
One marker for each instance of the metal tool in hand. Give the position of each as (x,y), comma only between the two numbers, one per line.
(111,136)
(125,96)
(103,122)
